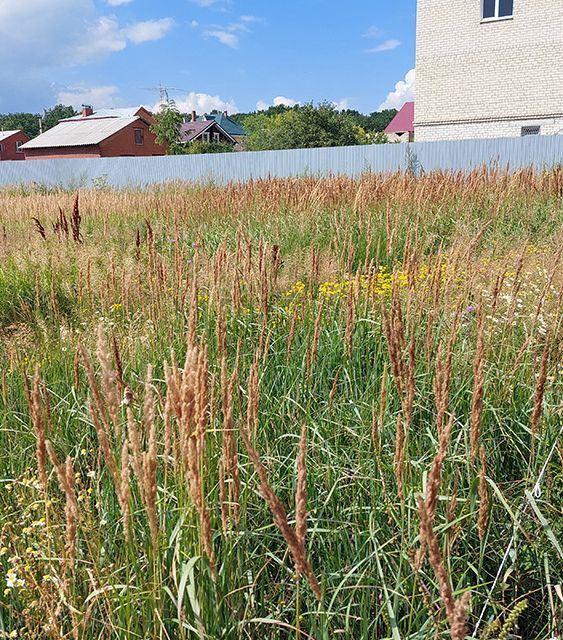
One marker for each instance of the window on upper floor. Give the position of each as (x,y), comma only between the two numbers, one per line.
(139,136)
(531,131)
(18,145)
(1,147)
(497,9)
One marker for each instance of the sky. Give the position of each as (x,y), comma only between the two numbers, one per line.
(234,55)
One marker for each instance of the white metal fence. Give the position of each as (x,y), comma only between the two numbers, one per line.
(539,152)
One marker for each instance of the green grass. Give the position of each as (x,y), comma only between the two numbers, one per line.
(362,537)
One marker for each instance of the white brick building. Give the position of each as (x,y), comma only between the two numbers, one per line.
(488,68)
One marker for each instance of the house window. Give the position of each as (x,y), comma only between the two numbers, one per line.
(216,137)
(1,147)
(530,131)
(18,145)
(206,137)
(497,9)
(139,136)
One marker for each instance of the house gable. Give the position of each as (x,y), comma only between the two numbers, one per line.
(229,125)
(11,143)
(204,131)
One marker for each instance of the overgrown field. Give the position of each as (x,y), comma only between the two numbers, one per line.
(289,409)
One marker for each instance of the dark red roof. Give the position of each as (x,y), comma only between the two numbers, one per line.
(403,121)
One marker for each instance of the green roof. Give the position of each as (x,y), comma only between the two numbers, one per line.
(228,124)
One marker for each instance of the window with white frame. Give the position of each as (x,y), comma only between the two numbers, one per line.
(18,145)
(497,9)
(216,137)
(206,137)
(1,147)
(139,136)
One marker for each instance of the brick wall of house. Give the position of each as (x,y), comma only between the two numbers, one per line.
(477,79)
(9,146)
(50,153)
(490,129)
(123,143)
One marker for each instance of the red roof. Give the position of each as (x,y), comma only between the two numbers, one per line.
(403,121)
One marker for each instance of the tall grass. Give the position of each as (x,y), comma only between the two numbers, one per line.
(293,408)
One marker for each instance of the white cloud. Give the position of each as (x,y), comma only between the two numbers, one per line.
(202,103)
(288,102)
(211,3)
(225,37)
(40,37)
(373,32)
(101,38)
(226,34)
(103,97)
(194,24)
(276,102)
(250,19)
(117,3)
(65,33)
(148,30)
(341,105)
(238,26)
(52,30)
(404,92)
(388,45)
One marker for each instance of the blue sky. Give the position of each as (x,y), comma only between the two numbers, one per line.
(227,54)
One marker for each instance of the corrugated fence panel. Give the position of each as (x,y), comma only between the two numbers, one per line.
(539,152)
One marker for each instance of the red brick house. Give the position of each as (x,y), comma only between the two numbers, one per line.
(11,143)
(104,134)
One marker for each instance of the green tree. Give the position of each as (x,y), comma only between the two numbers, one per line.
(167,127)
(378,120)
(370,137)
(51,117)
(27,122)
(302,128)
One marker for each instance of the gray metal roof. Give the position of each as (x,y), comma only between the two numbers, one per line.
(7,134)
(78,133)
(127,112)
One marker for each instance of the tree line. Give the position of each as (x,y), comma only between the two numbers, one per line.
(282,127)
(32,123)
(307,126)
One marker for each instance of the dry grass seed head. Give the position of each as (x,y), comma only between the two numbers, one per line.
(301,491)
(428,538)
(109,382)
(279,514)
(478,385)
(483,496)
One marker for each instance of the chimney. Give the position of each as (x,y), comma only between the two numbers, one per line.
(87,110)
(194,116)
(225,114)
